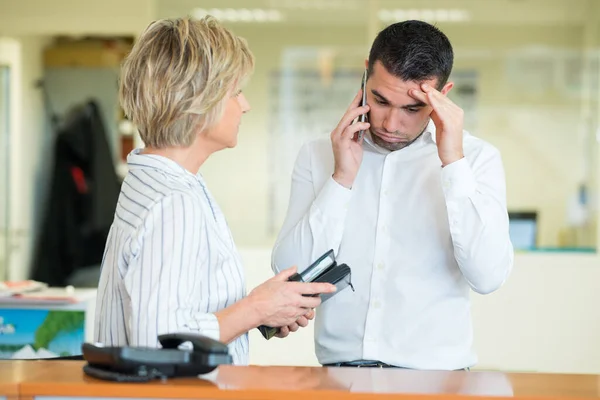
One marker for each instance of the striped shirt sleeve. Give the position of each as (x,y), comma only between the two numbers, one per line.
(164,276)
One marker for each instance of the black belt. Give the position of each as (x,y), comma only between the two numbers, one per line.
(361,364)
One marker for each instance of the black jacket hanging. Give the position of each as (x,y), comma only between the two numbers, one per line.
(82,199)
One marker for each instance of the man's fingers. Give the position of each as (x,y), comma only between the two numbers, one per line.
(349,132)
(355,101)
(350,116)
(352,112)
(433,92)
(430,98)
(419,95)
(293,327)
(434,102)
(436,97)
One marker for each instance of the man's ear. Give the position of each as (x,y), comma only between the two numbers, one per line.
(366,63)
(447,87)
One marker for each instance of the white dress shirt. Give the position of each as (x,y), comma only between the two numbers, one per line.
(170,262)
(416,236)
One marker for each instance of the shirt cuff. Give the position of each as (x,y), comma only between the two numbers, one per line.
(458,180)
(333,200)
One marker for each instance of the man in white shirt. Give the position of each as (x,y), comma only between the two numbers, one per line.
(416,208)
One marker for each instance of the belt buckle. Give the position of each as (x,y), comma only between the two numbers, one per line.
(370,365)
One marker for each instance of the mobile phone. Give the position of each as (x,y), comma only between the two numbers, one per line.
(324,269)
(316,269)
(363,102)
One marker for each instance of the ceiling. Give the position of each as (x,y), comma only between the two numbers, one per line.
(358,12)
(95,17)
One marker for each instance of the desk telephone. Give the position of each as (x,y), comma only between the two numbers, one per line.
(142,364)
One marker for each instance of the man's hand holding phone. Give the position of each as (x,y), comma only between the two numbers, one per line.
(347,146)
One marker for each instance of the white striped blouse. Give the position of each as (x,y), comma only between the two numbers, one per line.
(170,261)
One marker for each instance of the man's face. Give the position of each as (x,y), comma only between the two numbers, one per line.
(396,118)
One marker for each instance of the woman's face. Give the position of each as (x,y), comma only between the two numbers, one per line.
(225,132)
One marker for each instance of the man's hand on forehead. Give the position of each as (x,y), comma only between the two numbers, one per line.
(448,119)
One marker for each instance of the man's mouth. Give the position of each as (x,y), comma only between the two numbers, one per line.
(390,138)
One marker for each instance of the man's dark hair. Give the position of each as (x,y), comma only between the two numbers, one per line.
(413,51)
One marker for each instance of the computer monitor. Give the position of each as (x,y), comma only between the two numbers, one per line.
(523,229)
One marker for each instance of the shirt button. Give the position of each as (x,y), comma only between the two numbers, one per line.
(376,304)
(380,266)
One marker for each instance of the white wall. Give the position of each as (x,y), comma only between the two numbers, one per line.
(29,148)
(66,17)
(9,57)
(544,319)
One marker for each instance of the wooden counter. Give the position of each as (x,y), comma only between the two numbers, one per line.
(66,378)
(10,377)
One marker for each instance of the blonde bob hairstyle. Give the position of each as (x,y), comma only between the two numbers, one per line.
(178,77)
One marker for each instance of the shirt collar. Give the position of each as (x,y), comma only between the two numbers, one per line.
(427,136)
(429,133)
(137,160)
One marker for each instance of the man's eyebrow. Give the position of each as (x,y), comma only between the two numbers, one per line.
(376,93)
(418,104)
(382,98)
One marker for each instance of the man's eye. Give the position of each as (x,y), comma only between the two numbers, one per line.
(413,110)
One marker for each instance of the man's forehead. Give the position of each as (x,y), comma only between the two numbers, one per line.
(393,85)
(395,95)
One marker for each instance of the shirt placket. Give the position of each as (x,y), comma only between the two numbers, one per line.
(375,316)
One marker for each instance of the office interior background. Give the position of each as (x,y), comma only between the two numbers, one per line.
(527,74)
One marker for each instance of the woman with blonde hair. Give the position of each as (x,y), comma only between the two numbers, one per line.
(170,263)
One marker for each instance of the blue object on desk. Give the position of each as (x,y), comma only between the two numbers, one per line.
(54,324)
(27,334)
